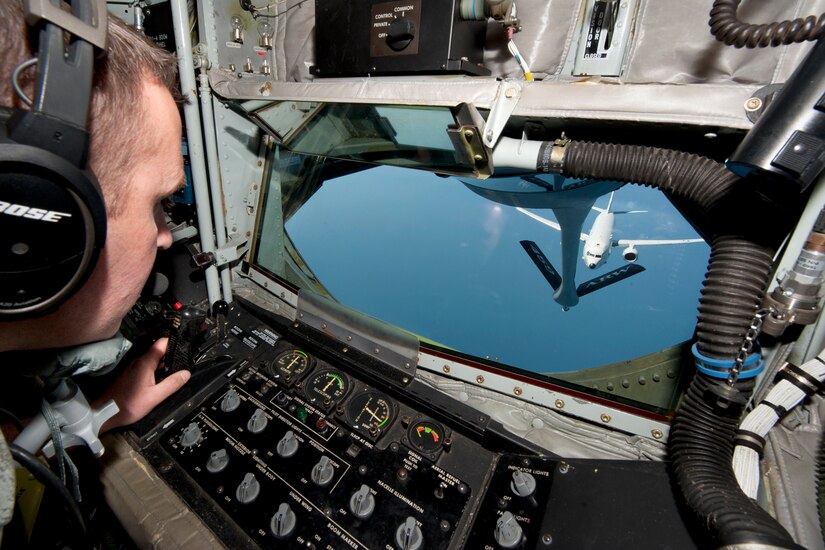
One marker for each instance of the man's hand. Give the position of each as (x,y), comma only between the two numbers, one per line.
(135,390)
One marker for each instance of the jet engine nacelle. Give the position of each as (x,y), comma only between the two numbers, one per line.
(630,254)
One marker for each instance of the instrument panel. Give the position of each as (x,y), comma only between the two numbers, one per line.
(285,470)
(282,443)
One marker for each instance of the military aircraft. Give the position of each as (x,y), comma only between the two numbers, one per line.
(599,241)
(597,246)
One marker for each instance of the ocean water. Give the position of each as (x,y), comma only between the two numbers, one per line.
(429,254)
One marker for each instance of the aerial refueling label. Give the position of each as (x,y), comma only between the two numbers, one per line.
(406,14)
(266,335)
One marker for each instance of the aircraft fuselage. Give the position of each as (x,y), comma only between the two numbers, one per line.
(598,243)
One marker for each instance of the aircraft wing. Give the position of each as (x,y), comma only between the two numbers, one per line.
(608,279)
(547,222)
(542,263)
(648,242)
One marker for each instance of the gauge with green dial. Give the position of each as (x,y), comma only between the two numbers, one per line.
(327,387)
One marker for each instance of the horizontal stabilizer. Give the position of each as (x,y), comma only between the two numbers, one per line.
(543,263)
(608,278)
(548,223)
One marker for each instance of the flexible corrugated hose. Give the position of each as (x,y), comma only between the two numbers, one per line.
(726,27)
(701,439)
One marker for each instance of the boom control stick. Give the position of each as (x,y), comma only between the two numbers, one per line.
(219,311)
(211,350)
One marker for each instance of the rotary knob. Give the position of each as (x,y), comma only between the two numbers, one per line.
(230,401)
(400,33)
(322,472)
(523,484)
(191,435)
(257,422)
(408,536)
(218,461)
(288,445)
(508,532)
(248,489)
(362,503)
(283,522)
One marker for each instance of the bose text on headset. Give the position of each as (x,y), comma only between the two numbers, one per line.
(52,214)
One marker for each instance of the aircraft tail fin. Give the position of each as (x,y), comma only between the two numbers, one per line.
(608,279)
(610,206)
(542,263)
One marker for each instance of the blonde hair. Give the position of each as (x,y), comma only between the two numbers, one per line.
(117,107)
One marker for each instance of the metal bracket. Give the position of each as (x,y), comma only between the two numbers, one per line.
(466,139)
(384,343)
(183,231)
(759,101)
(228,253)
(94,32)
(509,92)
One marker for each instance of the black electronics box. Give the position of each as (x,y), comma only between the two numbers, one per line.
(374,37)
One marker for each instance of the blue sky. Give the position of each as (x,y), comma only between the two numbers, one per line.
(430,255)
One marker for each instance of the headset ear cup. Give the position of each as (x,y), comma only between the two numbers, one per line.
(52,228)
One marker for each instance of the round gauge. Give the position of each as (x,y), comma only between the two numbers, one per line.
(327,387)
(370,412)
(290,365)
(426,436)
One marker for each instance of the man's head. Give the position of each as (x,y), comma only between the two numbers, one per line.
(134,151)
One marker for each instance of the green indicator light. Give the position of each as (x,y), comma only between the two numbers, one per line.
(429,431)
(301,413)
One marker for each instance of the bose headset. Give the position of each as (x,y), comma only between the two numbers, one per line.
(52,214)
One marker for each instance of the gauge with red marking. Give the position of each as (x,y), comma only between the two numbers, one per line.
(426,436)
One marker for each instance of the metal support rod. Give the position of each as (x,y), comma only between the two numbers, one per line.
(210,139)
(192,120)
(816,202)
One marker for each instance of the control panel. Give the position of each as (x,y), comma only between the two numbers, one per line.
(296,449)
(287,444)
(396,37)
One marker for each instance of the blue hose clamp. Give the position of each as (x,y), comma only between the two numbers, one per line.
(720,368)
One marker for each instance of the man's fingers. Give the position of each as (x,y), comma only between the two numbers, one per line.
(171,384)
(155,353)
